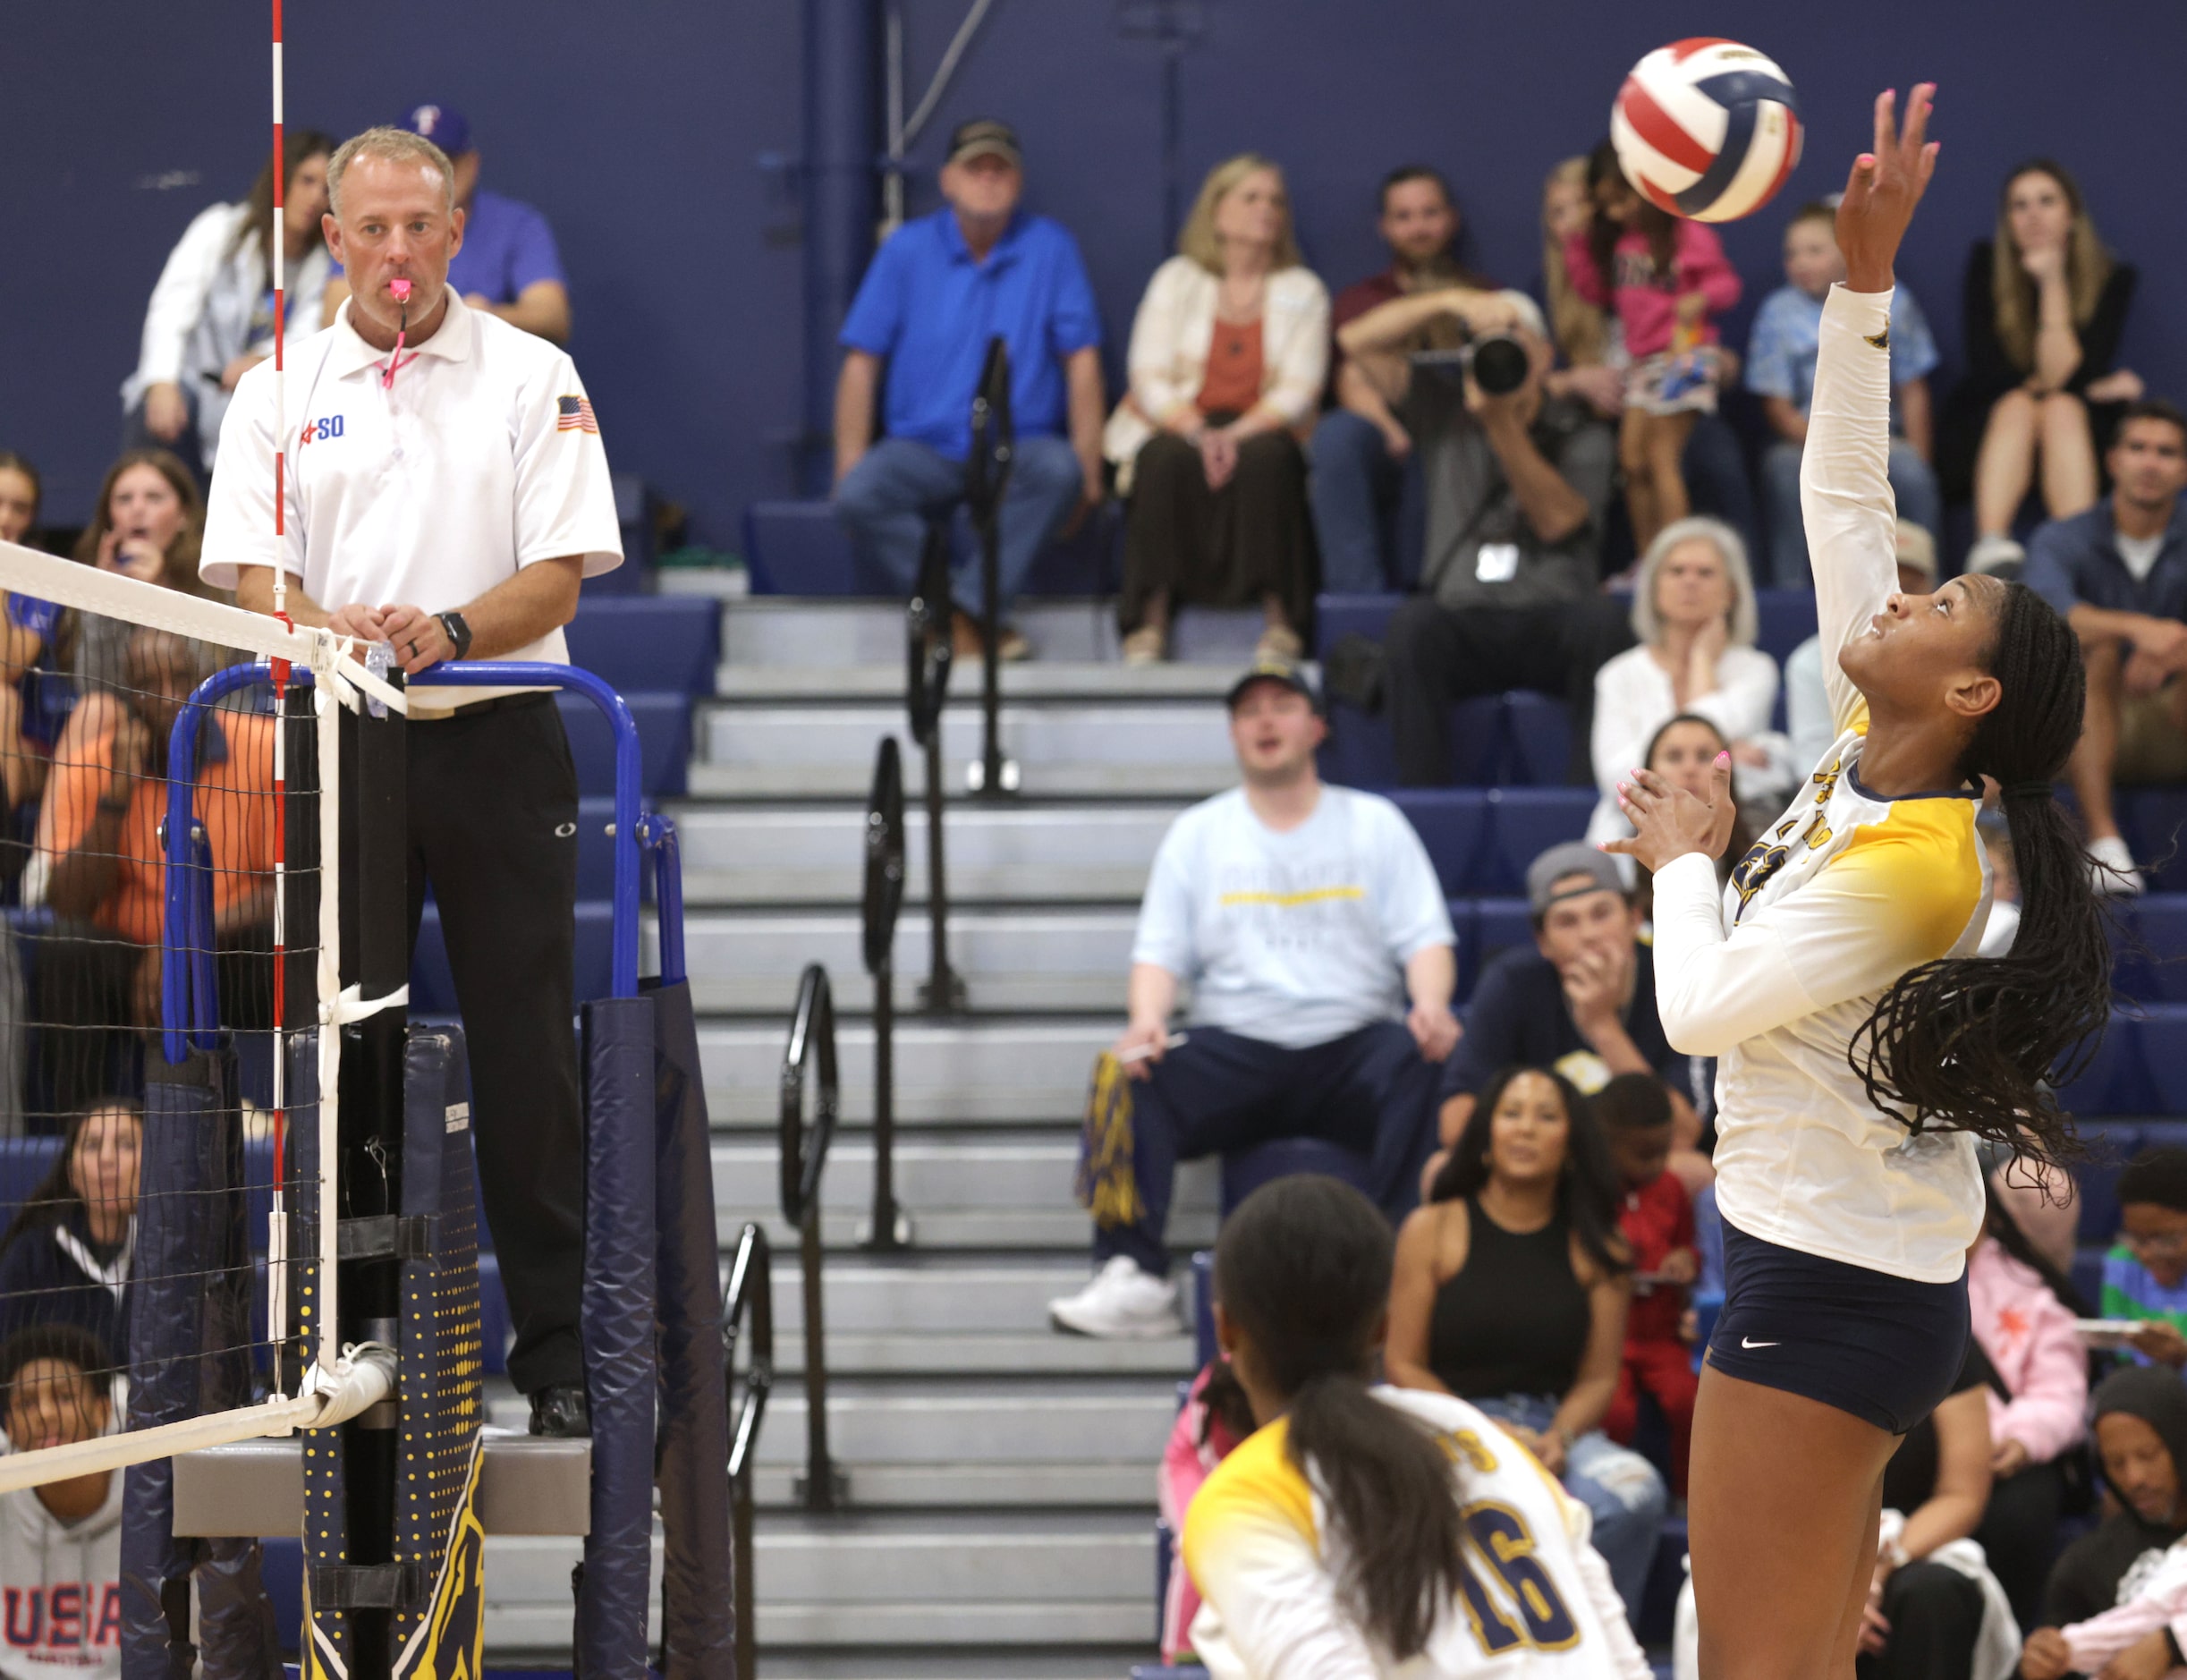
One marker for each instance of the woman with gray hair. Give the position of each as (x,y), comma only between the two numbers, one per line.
(1693,612)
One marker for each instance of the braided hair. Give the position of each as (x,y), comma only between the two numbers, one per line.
(1967,1044)
(1303,1269)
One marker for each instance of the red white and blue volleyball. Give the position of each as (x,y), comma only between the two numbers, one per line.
(1706,129)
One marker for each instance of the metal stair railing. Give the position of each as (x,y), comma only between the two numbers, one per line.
(751,1297)
(804,1158)
(926,690)
(881,901)
(987,479)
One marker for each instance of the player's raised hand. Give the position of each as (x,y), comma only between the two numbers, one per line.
(1668,822)
(1883,188)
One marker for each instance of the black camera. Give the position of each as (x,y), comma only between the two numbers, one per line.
(1498,362)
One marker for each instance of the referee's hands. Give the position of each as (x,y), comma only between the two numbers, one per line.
(419,641)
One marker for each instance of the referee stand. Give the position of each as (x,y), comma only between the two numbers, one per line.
(395,1507)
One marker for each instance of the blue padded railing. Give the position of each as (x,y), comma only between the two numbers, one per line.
(189,981)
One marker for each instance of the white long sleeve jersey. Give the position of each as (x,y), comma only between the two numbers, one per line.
(1835,900)
(1536,1602)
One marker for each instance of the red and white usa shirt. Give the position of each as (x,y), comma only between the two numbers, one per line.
(482,457)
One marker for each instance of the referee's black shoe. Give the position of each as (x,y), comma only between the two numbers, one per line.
(560,1410)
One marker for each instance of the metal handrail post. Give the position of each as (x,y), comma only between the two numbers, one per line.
(880,903)
(751,1293)
(987,479)
(813,1038)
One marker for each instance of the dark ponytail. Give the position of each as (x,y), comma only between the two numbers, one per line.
(1302,1271)
(1966,1044)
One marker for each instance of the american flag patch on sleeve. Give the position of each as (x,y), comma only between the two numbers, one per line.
(575,415)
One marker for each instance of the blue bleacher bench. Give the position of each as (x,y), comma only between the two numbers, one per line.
(665,739)
(1244,1171)
(644,642)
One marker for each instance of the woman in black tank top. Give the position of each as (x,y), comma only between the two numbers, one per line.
(1511,1291)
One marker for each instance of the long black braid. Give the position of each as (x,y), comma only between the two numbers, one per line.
(1966,1044)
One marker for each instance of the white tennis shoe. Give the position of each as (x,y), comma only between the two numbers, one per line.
(2113,867)
(1121,1302)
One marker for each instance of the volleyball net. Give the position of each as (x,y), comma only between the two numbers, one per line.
(171,951)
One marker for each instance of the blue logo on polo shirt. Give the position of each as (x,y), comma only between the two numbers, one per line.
(320,429)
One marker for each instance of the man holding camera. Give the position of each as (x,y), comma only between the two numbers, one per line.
(1516,485)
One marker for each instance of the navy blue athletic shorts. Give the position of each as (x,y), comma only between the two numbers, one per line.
(1884,1348)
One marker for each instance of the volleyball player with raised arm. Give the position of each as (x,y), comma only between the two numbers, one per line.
(1363,1532)
(1864,1049)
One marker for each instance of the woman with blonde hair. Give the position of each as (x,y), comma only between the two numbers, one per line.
(2044,305)
(1693,612)
(1230,351)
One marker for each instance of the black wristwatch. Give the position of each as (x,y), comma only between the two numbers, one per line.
(458,631)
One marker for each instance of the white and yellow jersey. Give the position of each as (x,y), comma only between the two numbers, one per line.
(1845,893)
(1535,1603)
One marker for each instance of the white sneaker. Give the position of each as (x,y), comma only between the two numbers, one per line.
(1122,1301)
(2111,866)
(1993,554)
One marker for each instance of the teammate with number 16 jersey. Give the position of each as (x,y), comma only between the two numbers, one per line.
(1534,1599)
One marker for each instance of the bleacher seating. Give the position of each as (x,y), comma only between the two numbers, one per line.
(1517,738)
(800,549)
(650,644)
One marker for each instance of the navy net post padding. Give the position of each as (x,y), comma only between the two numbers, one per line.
(442,1401)
(327,1640)
(189,1294)
(698,1629)
(616,1321)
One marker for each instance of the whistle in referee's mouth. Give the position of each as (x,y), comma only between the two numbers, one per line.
(399,290)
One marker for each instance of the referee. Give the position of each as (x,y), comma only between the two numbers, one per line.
(447,493)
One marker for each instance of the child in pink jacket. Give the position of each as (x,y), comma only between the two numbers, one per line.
(1666,279)
(2013,1299)
(1213,1419)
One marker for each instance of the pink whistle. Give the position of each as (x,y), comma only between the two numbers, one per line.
(401,289)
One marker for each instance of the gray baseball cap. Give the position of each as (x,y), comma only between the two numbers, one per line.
(1560,863)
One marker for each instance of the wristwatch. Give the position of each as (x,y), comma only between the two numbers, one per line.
(458,631)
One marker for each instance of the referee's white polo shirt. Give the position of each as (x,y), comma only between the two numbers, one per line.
(483,457)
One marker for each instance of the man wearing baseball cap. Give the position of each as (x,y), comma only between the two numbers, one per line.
(507,264)
(914,343)
(1581,999)
(1308,923)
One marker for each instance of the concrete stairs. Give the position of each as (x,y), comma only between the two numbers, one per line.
(999,1524)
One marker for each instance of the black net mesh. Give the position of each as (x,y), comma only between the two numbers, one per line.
(91,709)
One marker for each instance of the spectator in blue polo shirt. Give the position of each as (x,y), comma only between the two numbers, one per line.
(2119,574)
(508,264)
(914,346)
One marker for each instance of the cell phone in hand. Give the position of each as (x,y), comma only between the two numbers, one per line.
(2107,1334)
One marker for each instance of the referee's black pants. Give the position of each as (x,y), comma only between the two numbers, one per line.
(493,828)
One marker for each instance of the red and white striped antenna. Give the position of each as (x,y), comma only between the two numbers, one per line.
(277,1243)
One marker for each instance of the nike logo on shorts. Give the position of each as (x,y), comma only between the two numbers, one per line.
(1747,1341)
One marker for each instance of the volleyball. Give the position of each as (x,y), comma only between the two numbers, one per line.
(1706,129)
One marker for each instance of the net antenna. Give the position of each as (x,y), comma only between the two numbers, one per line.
(277,1227)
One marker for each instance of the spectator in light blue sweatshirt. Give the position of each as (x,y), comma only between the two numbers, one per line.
(1781,371)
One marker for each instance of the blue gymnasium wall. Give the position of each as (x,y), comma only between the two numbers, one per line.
(640,127)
